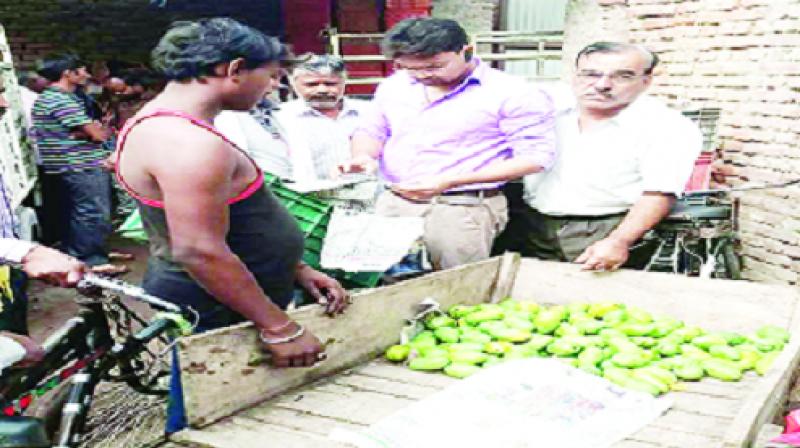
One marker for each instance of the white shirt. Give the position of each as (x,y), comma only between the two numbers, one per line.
(318,143)
(268,150)
(13,250)
(606,169)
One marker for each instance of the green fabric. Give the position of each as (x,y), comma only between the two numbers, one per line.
(133,228)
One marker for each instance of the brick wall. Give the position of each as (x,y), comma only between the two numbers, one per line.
(473,15)
(742,56)
(123,30)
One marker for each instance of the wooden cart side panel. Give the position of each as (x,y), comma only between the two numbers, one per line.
(720,305)
(217,368)
(767,398)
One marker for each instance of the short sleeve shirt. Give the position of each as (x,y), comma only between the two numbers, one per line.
(56,114)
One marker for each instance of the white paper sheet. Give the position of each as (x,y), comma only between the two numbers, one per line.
(518,404)
(368,242)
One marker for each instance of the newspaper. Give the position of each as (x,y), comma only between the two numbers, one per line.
(368,242)
(524,403)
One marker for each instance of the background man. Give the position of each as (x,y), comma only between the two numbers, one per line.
(623,159)
(77,187)
(320,123)
(447,131)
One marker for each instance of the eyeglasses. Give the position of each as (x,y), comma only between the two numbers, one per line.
(620,77)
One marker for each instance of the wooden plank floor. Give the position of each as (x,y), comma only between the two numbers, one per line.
(360,397)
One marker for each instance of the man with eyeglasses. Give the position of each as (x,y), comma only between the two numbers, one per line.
(447,132)
(623,159)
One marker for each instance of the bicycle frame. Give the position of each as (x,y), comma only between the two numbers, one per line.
(84,352)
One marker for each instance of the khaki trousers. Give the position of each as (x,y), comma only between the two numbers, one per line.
(458,229)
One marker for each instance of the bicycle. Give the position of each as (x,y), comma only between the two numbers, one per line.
(106,343)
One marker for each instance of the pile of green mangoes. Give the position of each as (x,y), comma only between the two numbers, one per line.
(624,344)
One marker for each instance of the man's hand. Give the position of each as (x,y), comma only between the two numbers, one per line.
(326,290)
(53,266)
(109,163)
(358,164)
(33,352)
(605,255)
(304,351)
(423,190)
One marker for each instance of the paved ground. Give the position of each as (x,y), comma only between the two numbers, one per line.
(50,307)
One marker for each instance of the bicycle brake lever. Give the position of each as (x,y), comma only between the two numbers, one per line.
(125,288)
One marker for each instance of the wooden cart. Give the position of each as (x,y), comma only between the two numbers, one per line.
(232,402)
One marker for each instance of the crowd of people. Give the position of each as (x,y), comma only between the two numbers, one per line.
(602,163)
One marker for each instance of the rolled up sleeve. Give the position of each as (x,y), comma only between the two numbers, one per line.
(671,155)
(528,121)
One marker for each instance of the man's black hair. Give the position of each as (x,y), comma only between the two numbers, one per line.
(423,36)
(53,67)
(192,49)
(619,47)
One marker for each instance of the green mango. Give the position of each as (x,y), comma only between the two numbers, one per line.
(667,347)
(397,353)
(722,369)
(468,357)
(428,363)
(630,359)
(567,329)
(579,316)
(434,351)
(639,315)
(773,332)
(492,325)
(762,365)
(519,324)
(607,364)
(426,335)
(748,359)
(521,315)
(664,326)
(644,341)
(547,321)
(474,336)
(616,317)
(600,309)
(688,333)
(766,344)
(590,326)
(497,347)
(707,340)
(733,338)
(689,371)
(520,352)
(664,375)
(652,380)
(562,348)
(610,333)
(577,307)
(465,347)
(539,341)
(530,307)
(635,328)
(459,370)
(725,352)
(510,334)
(484,315)
(622,344)
(432,322)
(459,311)
(493,361)
(590,356)
(447,334)
(510,304)
(693,351)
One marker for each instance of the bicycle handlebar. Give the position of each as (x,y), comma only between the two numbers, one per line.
(92,280)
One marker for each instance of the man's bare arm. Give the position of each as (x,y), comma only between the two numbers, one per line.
(612,251)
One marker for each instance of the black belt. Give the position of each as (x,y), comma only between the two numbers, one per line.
(477,193)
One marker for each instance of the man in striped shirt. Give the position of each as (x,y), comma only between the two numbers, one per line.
(74,163)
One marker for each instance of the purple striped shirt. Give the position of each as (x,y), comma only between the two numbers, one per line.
(490,116)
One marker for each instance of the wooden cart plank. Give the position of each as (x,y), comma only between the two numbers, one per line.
(379,369)
(692,423)
(387,387)
(635,444)
(363,408)
(674,438)
(298,420)
(767,396)
(721,305)
(217,372)
(237,432)
(706,405)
